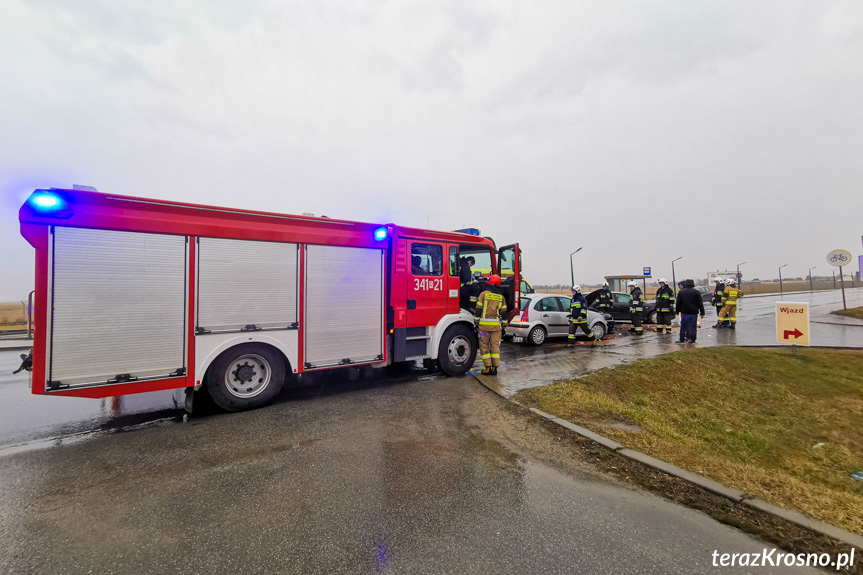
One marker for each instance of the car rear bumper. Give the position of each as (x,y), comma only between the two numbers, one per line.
(518,329)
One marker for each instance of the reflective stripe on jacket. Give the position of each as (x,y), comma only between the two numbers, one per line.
(637,301)
(664,299)
(605,299)
(490,310)
(578,309)
(731,295)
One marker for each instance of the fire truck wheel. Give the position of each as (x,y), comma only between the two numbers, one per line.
(245,377)
(457,350)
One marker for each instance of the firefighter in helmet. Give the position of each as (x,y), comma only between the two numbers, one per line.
(605,301)
(489,317)
(728,314)
(636,308)
(717,295)
(578,317)
(664,307)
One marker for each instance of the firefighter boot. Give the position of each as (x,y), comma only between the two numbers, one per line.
(487,370)
(667,330)
(733,325)
(494,370)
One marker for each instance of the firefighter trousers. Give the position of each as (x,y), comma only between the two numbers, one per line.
(574,326)
(489,348)
(636,322)
(728,312)
(663,321)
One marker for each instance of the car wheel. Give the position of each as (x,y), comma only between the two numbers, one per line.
(652,317)
(537,335)
(598,330)
(245,377)
(457,350)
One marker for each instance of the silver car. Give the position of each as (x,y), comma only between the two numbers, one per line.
(545,315)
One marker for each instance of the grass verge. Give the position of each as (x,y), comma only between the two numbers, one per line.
(786,429)
(853,312)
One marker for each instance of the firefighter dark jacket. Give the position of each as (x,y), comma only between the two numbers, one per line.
(664,299)
(636,304)
(578,309)
(605,299)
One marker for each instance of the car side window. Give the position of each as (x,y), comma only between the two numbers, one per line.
(548,304)
(622,298)
(565,302)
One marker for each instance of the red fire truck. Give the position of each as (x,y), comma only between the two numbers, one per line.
(142,295)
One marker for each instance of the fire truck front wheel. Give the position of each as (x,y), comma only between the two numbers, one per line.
(245,377)
(457,350)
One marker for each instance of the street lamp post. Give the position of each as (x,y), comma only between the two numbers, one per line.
(674,279)
(739,280)
(810,278)
(781,291)
(571,268)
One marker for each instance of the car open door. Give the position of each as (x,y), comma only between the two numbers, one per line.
(509,269)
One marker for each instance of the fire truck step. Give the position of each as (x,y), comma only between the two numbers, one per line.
(410,337)
(413,357)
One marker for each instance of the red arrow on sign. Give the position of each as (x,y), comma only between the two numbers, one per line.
(789,333)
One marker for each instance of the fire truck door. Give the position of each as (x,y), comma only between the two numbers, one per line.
(453,282)
(509,268)
(428,283)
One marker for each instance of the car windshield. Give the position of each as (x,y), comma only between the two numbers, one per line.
(525,301)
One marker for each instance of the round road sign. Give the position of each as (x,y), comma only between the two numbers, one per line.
(839,258)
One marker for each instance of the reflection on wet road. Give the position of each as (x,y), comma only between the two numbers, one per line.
(398,478)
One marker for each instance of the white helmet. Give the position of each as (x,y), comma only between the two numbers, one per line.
(663,281)
(604,284)
(718,280)
(576,288)
(729,281)
(632,284)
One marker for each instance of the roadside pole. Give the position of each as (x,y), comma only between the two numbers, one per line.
(842,283)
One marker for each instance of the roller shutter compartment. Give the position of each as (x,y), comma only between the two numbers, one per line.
(246,285)
(344,306)
(118,307)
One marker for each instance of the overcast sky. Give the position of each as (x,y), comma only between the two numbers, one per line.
(720,131)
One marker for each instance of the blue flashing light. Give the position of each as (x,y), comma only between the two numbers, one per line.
(381,234)
(46,200)
(48,203)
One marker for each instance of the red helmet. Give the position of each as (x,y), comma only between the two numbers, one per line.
(494,280)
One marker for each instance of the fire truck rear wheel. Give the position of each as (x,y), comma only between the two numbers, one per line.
(457,350)
(245,377)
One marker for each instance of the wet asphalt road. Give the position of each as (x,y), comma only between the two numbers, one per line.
(396,478)
(385,475)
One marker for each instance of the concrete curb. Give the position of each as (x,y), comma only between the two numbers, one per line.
(698,480)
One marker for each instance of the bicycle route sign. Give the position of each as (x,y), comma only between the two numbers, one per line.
(839,258)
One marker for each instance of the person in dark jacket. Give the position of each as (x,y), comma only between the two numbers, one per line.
(717,295)
(578,317)
(664,307)
(690,306)
(468,286)
(605,301)
(636,308)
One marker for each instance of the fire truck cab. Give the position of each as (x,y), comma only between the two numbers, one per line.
(143,294)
